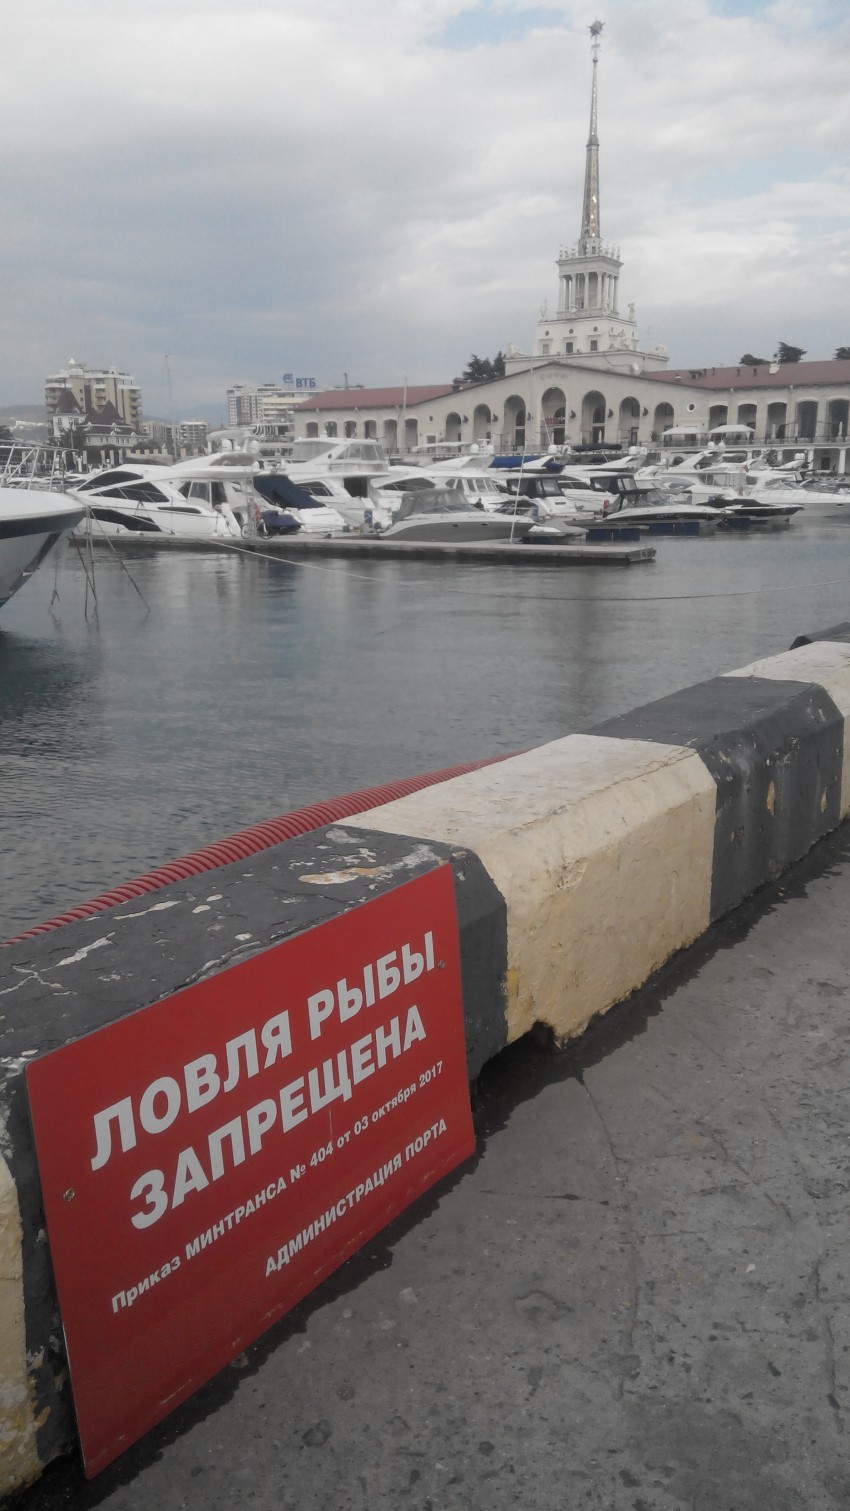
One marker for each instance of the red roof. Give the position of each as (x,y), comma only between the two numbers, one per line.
(376,398)
(787,374)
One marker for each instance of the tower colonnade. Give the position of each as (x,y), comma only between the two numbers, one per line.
(594,290)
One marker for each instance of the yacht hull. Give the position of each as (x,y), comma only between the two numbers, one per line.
(819,506)
(478,526)
(112,520)
(31,523)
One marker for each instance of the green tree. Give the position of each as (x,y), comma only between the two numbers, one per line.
(748,360)
(842,354)
(788,353)
(480,369)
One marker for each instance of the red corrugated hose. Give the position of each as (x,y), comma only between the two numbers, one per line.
(250,841)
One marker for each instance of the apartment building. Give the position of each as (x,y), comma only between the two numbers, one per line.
(94,389)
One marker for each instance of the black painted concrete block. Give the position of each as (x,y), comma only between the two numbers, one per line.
(838,632)
(775,751)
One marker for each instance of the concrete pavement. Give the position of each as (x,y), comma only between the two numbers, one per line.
(635,1298)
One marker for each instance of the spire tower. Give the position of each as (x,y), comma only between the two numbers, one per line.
(590,206)
(587,326)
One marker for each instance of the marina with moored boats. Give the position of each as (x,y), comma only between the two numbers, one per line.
(350,498)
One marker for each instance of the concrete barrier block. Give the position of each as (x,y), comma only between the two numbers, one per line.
(19,1461)
(822,661)
(579,869)
(775,751)
(602,849)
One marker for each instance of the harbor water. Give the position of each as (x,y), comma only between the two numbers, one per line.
(207,691)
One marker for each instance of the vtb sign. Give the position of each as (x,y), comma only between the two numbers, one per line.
(207,1161)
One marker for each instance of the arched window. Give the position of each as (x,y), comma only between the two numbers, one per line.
(553,418)
(593,418)
(482,423)
(777,420)
(748,415)
(629,422)
(837,419)
(515,422)
(662,421)
(807,419)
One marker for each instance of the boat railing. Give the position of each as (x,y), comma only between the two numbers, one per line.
(32,466)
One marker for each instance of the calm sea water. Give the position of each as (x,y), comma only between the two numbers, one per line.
(250,687)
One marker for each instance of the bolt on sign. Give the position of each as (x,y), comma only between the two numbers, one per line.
(208,1160)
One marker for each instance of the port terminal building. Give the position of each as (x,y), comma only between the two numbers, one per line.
(589,382)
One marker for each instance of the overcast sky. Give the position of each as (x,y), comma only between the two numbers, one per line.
(378,188)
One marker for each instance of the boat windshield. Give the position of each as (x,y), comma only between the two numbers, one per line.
(104,479)
(435,501)
(406,485)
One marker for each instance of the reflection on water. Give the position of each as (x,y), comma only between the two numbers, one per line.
(253,686)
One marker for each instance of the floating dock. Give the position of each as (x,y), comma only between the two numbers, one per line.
(349,547)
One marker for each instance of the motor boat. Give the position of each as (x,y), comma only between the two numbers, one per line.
(477,490)
(148,500)
(817,497)
(642,502)
(221,496)
(384,496)
(32,520)
(559,497)
(349,476)
(440,514)
(545,524)
(749,510)
(286,507)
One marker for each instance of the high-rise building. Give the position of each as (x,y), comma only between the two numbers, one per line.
(94,389)
(192,435)
(250,403)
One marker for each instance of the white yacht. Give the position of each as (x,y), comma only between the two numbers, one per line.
(561,496)
(223,495)
(348,476)
(440,514)
(817,498)
(32,520)
(148,500)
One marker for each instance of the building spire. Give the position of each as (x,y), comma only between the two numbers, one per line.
(590,207)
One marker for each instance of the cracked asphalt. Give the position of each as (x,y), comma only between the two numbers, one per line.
(634,1298)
